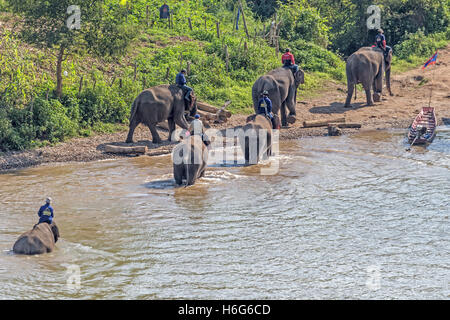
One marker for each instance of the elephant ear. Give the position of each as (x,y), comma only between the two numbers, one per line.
(299,77)
(55,231)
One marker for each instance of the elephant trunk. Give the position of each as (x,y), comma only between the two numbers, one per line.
(194,110)
(388,80)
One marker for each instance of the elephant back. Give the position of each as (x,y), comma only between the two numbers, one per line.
(258,121)
(40,239)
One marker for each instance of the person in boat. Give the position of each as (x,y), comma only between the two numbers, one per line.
(380,42)
(180,81)
(288,61)
(46,212)
(196,128)
(265,107)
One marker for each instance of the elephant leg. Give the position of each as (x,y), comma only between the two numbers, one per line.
(192,171)
(171,127)
(269,145)
(155,136)
(133,125)
(178,174)
(283,115)
(350,88)
(378,84)
(368,95)
(291,103)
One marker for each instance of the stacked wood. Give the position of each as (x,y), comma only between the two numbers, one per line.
(126,149)
(211,113)
(211,109)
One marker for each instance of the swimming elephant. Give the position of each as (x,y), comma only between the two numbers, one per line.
(189,158)
(282,86)
(257,127)
(40,239)
(157,104)
(367,66)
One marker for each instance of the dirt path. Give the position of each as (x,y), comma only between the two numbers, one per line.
(411,91)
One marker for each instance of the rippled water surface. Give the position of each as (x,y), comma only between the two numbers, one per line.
(350,217)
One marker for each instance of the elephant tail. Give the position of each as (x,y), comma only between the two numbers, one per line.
(255,96)
(355,91)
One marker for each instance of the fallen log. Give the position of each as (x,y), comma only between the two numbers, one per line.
(321,123)
(125,149)
(211,109)
(207,115)
(345,125)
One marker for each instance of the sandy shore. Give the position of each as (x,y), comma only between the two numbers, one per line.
(411,92)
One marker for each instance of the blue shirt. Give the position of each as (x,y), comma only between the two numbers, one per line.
(45,213)
(264,101)
(180,79)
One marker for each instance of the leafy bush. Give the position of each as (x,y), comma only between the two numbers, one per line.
(51,120)
(418,44)
(300,21)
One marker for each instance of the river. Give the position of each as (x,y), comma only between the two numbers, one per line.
(350,217)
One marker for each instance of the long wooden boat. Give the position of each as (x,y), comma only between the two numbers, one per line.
(423,128)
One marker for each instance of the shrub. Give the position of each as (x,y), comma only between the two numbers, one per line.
(51,120)
(418,44)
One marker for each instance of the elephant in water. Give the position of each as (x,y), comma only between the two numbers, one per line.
(367,66)
(157,104)
(256,138)
(40,239)
(282,86)
(189,158)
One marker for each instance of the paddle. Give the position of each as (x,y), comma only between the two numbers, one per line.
(409,148)
(420,130)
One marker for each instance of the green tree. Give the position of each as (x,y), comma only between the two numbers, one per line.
(50,24)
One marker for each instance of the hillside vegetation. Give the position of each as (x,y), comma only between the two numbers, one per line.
(121,50)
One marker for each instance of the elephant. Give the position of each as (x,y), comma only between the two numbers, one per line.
(282,86)
(40,239)
(257,127)
(366,66)
(189,158)
(157,104)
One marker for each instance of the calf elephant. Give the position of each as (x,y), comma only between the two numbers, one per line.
(40,239)
(157,104)
(256,138)
(282,86)
(189,158)
(367,66)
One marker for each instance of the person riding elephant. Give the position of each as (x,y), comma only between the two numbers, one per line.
(41,239)
(46,212)
(380,42)
(281,84)
(265,108)
(189,158)
(288,61)
(157,104)
(180,81)
(366,66)
(258,127)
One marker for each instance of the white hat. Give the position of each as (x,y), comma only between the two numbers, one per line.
(48,200)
